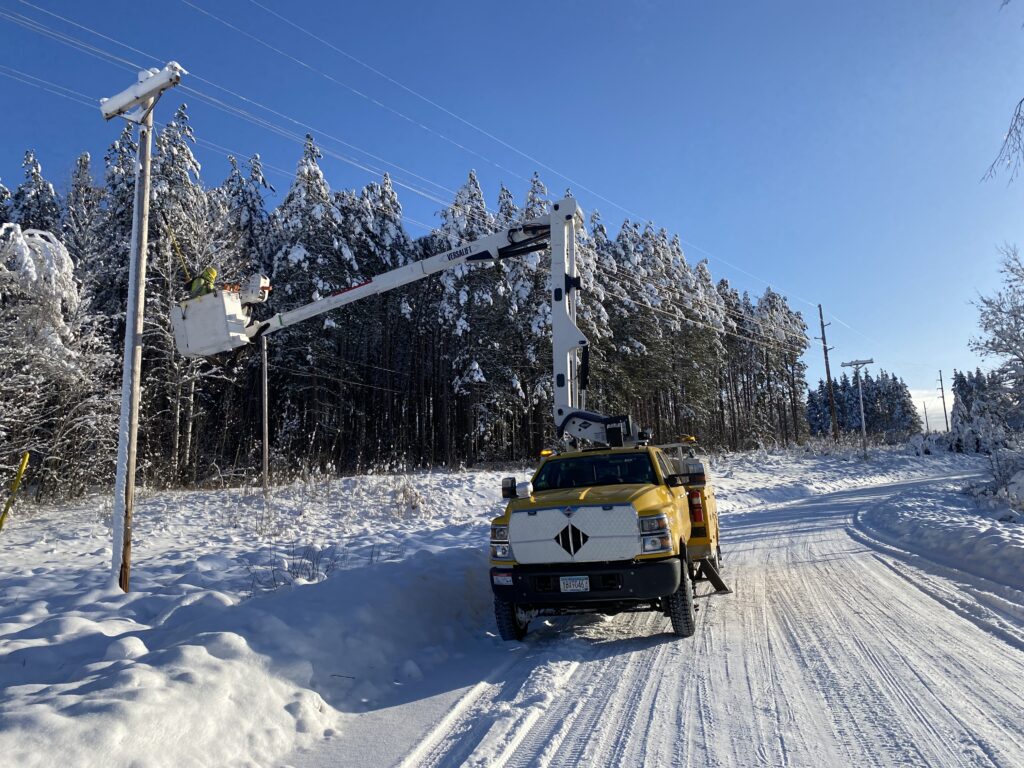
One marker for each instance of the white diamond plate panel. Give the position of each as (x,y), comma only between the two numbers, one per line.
(612,534)
(532,535)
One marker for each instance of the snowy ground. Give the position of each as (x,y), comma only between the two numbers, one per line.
(876,620)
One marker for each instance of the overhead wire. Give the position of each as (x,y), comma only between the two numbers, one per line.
(353,90)
(576,183)
(479,218)
(86,101)
(243,114)
(91,103)
(700,323)
(108,57)
(241,97)
(337,379)
(46,85)
(734,314)
(761,337)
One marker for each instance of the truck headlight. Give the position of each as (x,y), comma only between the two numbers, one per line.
(654,524)
(499,533)
(658,543)
(501,552)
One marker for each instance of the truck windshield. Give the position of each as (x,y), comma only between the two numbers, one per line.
(582,471)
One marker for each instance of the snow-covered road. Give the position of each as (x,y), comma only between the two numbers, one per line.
(832,651)
(877,620)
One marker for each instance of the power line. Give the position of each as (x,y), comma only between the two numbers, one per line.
(111,58)
(306,126)
(108,57)
(90,103)
(319,375)
(46,85)
(501,141)
(734,314)
(353,90)
(444,109)
(759,339)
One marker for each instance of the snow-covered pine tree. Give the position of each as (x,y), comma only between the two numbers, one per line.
(81,209)
(247,214)
(104,269)
(527,339)
(473,309)
(35,204)
(312,259)
(5,204)
(188,411)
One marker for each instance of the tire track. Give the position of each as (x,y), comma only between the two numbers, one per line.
(827,654)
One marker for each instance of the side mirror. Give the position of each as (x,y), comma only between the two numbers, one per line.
(510,489)
(676,481)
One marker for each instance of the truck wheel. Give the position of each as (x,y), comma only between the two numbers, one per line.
(507,619)
(680,606)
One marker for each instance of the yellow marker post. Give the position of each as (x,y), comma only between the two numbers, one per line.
(14,489)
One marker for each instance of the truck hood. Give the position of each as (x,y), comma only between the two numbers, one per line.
(639,495)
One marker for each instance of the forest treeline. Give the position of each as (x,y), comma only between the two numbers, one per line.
(889,411)
(447,371)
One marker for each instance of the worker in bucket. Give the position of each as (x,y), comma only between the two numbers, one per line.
(203,284)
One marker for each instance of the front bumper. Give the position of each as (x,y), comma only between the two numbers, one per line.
(617,582)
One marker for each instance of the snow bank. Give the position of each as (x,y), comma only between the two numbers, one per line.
(204,664)
(749,481)
(944,526)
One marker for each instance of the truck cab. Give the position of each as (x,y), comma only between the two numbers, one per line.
(604,530)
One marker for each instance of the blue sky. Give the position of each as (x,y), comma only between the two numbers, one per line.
(833,149)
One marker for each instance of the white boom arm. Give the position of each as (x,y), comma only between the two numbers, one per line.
(218,322)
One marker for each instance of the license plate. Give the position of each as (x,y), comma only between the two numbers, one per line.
(574,583)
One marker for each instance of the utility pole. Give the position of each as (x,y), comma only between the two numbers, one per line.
(828,377)
(266,426)
(942,391)
(135,104)
(927,429)
(857,365)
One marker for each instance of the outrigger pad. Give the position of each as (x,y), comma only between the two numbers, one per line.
(708,571)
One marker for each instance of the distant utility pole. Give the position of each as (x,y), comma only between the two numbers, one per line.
(266,426)
(135,104)
(927,429)
(857,365)
(942,391)
(828,377)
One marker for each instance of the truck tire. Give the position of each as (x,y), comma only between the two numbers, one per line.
(680,606)
(507,619)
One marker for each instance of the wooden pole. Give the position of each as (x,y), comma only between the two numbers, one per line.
(266,424)
(124,486)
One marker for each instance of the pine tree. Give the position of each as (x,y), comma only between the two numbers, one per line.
(312,259)
(81,210)
(5,204)
(35,204)
(104,269)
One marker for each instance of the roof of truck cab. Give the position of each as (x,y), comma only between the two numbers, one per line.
(599,452)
